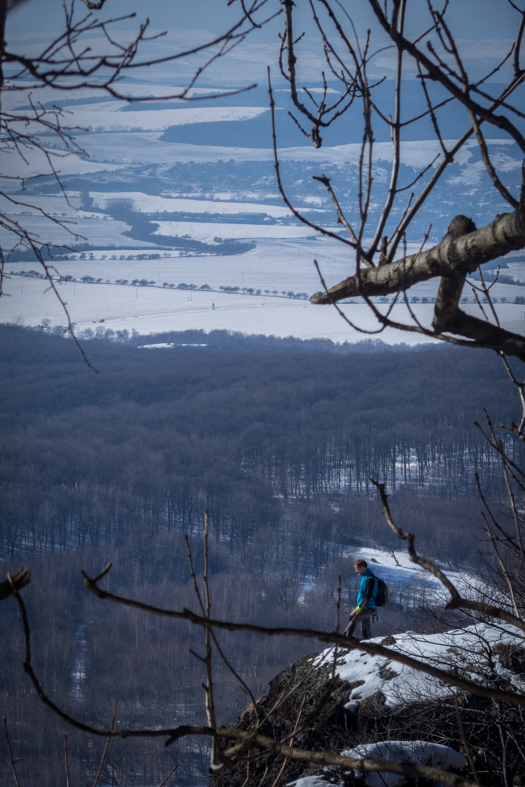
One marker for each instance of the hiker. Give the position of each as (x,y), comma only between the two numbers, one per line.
(366,604)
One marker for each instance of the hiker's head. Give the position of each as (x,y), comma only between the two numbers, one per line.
(360,566)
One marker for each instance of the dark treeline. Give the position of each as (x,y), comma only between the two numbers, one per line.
(277,439)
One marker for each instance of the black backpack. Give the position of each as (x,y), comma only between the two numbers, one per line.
(381,598)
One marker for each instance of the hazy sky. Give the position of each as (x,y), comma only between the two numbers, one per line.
(484,28)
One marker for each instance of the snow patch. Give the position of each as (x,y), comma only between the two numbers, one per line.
(411,752)
(309,781)
(163,345)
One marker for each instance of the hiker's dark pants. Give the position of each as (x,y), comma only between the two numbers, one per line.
(364,617)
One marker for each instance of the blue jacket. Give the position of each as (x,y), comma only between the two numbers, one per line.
(361,593)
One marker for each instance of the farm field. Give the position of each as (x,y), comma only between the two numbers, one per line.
(186,194)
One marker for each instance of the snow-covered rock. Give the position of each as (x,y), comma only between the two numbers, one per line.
(465,649)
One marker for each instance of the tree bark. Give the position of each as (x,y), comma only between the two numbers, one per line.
(463,249)
(452,256)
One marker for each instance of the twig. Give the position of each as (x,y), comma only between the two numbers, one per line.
(502,567)
(518,430)
(210,702)
(106,747)
(297,719)
(337,624)
(66,762)
(341,218)
(510,493)
(13,762)
(464,739)
(165,781)
(395,136)
(282,191)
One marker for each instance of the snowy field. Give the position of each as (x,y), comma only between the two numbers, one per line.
(148,147)
(80,229)
(274,264)
(155,309)
(35,163)
(147,89)
(208,231)
(151,204)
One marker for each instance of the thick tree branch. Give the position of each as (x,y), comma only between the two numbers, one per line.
(347,763)
(486,334)
(447,301)
(452,255)
(463,249)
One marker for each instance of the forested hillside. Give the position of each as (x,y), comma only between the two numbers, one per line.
(158,436)
(277,440)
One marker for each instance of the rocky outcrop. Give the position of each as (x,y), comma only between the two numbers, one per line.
(302,695)
(309,707)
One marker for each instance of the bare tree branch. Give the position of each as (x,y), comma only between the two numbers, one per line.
(170,774)
(457,601)
(439,74)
